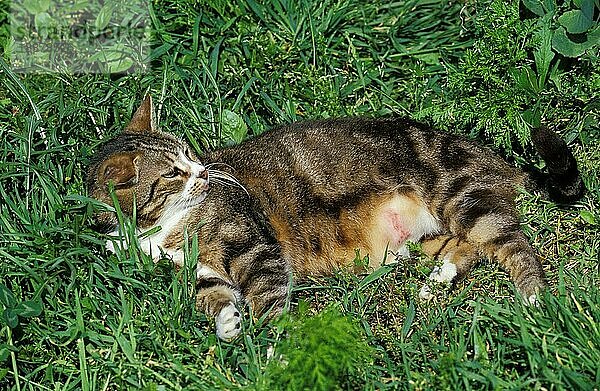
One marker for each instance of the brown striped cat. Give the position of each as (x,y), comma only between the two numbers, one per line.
(300,199)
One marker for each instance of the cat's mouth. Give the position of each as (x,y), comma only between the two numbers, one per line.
(197,200)
(204,187)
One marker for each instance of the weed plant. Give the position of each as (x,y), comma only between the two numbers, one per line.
(74,316)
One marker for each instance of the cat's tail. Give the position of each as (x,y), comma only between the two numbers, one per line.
(563,181)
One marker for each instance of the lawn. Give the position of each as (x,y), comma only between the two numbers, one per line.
(74,316)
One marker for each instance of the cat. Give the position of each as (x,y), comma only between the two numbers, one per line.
(300,199)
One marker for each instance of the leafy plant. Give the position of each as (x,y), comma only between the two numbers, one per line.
(78,37)
(13,310)
(321,352)
(574,29)
(517,75)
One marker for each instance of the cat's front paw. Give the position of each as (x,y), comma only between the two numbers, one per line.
(114,245)
(110,246)
(229,322)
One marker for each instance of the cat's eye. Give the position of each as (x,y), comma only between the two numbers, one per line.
(174,173)
(188,153)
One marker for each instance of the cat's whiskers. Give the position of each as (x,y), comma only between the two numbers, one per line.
(209,165)
(224,178)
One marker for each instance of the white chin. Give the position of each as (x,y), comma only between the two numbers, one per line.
(198,199)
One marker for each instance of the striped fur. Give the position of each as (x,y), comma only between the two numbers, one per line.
(300,199)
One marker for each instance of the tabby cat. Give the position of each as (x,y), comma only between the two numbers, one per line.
(300,199)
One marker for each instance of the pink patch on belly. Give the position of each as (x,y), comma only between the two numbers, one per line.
(397,231)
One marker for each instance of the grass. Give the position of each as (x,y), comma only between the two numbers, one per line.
(77,317)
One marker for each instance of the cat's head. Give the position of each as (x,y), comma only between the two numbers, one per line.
(146,166)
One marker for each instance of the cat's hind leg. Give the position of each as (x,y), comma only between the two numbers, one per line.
(487,218)
(458,257)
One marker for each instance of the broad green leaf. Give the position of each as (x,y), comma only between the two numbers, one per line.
(526,79)
(533,117)
(4,353)
(120,66)
(114,59)
(126,348)
(562,44)
(258,10)
(104,15)
(586,6)
(549,6)
(543,56)
(588,217)
(234,126)
(107,55)
(6,297)
(36,6)
(10,317)
(214,58)
(43,22)
(29,308)
(534,6)
(410,317)
(576,22)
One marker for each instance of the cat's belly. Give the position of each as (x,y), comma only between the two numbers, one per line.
(378,227)
(394,222)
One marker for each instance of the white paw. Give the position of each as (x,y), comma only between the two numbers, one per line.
(532,301)
(403,252)
(444,273)
(270,352)
(229,323)
(110,246)
(113,245)
(425,292)
(114,242)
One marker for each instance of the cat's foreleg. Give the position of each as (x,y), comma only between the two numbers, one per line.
(264,278)
(219,298)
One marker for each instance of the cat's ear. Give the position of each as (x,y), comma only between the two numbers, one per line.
(121,169)
(143,119)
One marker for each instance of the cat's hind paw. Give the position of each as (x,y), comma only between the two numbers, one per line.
(114,243)
(440,274)
(530,289)
(110,246)
(445,273)
(229,323)
(425,292)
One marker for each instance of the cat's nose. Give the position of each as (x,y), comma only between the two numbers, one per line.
(203,173)
(199,171)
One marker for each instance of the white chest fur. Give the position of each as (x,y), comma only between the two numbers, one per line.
(154,244)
